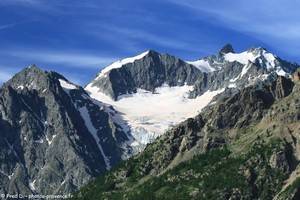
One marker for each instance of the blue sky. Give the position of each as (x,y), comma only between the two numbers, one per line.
(77,38)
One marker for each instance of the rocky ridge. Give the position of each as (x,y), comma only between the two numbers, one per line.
(54,137)
(243,146)
(154,77)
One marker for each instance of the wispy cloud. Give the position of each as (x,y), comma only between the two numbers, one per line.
(20,2)
(38,6)
(268,20)
(6,26)
(276,23)
(12,25)
(67,59)
(134,39)
(146,36)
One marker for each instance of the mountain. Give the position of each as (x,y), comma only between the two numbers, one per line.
(54,138)
(147,71)
(244,146)
(238,70)
(228,110)
(155,91)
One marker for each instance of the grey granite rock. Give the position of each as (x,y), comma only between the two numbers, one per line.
(155,69)
(46,145)
(148,73)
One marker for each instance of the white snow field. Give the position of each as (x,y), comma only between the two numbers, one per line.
(150,114)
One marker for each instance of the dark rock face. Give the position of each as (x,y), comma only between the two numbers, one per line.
(148,73)
(54,138)
(236,109)
(227,49)
(253,94)
(46,146)
(208,130)
(282,87)
(217,79)
(240,108)
(237,75)
(260,170)
(155,69)
(177,141)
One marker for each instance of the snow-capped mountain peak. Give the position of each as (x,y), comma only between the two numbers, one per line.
(212,63)
(159,90)
(203,65)
(262,58)
(120,63)
(251,55)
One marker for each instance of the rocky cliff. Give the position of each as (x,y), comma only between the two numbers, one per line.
(244,146)
(54,138)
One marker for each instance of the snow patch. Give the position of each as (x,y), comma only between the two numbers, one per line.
(270,58)
(21,87)
(67,85)
(242,58)
(88,123)
(62,183)
(119,122)
(120,63)
(265,59)
(246,56)
(232,85)
(202,65)
(40,141)
(50,140)
(32,185)
(281,72)
(245,69)
(234,79)
(10,176)
(150,114)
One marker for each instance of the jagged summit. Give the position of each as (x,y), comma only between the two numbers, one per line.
(152,79)
(54,138)
(152,52)
(146,55)
(264,59)
(71,137)
(35,78)
(150,70)
(33,69)
(120,63)
(257,49)
(258,55)
(207,64)
(226,49)
(250,55)
(31,77)
(257,126)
